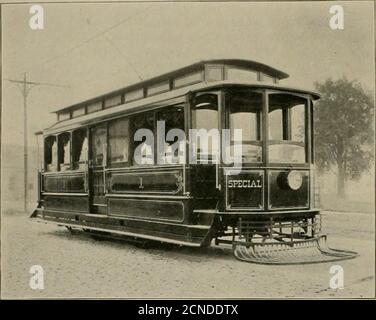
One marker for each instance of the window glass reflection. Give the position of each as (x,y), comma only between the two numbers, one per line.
(205,119)
(119,141)
(245,110)
(287,128)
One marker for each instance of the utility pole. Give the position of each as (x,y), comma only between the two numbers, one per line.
(25,87)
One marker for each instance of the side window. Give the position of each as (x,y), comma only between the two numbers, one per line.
(143,139)
(118,135)
(50,154)
(79,149)
(64,151)
(171,137)
(287,121)
(99,145)
(297,118)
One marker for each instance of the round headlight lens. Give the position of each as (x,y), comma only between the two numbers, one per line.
(295,180)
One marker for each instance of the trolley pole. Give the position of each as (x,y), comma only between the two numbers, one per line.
(25,87)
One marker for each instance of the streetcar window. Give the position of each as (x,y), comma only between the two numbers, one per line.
(276,125)
(297,123)
(78,112)
(214,73)
(143,139)
(188,79)
(205,119)
(99,145)
(237,74)
(287,118)
(64,151)
(118,135)
(112,101)
(64,115)
(93,107)
(170,135)
(158,88)
(50,153)
(245,109)
(79,149)
(134,95)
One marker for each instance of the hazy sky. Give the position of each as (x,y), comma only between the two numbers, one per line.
(148,39)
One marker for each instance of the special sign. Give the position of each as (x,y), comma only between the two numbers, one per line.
(245,183)
(245,190)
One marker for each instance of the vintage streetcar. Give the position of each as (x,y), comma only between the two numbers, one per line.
(182,191)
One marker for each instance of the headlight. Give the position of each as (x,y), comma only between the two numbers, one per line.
(294,180)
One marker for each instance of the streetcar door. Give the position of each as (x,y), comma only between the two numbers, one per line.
(98,164)
(205,149)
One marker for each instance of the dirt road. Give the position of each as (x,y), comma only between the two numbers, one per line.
(79,266)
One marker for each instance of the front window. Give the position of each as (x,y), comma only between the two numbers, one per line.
(244,113)
(287,128)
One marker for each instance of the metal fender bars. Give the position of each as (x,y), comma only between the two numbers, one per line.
(284,242)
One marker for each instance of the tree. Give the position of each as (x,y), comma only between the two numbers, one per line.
(343,130)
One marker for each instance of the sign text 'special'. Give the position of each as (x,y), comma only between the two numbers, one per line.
(244,184)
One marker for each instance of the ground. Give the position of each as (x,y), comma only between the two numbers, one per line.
(77,266)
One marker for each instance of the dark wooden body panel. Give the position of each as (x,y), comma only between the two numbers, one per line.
(177,213)
(66,203)
(72,182)
(159,181)
(280,197)
(166,210)
(203,186)
(156,207)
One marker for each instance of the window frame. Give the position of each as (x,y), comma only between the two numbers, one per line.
(120,164)
(91,149)
(60,161)
(133,130)
(229,68)
(307,132)
(64,115)
(157,111)
(73,163)
(45,165)
(192,122)
(260,116)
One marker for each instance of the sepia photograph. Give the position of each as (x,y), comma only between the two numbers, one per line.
(187,150)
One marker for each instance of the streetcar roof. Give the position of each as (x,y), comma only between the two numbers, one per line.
(202,66)
(155,101)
